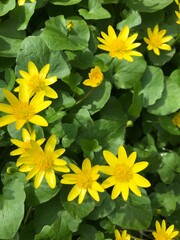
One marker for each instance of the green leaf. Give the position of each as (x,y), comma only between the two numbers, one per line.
(58,37)
(152,85)
(148,5)
(137,102)
(35,49)
(164,57)
(40,195)
(170,167)
(170,100)
(85,229)
(126,74)
(98,98)
(69,134)
(52,115)
(65,2)
(135,213)
(103,208)
(96,11)
(131,18)
(73,208)
(168,125)
(23,14)
(164,198)
(11,208)
(73,80)
(6,6)
(10,38)
(62,228)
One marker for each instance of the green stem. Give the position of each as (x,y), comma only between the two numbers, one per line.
(27,215)
(176,40)
(29,127)
(82,99)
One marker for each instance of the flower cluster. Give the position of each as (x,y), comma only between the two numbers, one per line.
(122,46)
(161,232)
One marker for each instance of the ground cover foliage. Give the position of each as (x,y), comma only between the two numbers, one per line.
(135,105)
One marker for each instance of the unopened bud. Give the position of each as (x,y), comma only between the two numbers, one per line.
(11,170)
(129,123)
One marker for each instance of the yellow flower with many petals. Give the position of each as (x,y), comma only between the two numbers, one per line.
(164,234)
(23,110)
(120,46)
(21,2)
(123,173)
(23,145)
(124,235)
(156,40)
(37,81)
(85,180)
(42,163)
(176,119)
(95,78)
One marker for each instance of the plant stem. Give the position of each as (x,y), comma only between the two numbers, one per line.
(82,99)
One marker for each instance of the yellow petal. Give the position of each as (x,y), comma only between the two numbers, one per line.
(49,92)
(109,182)
(50,178)
(134,188)
(6,108)
(20,123)
(139,166)
(59,152)
(32,69)
(75,168)
(75,191)
(11,98)
(116,191)
(82,195)
(5,120)
(44,71)
(38,178)
(32,173)
(86,165)
(50,144)
(25,77)
(123,35)
(141,181)
(122,156)
(24,93)
(111,32)
(125,191)
(110,158)
(94,194)
(38,120)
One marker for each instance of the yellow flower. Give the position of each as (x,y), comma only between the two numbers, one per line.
(124,173)
(176,119)
(164,234)
(23,145)
(42,163)
(157,40)
(21,2)
(120,46)
(95,78)
(23,110)
(37,81)
(124,235)
(84,180)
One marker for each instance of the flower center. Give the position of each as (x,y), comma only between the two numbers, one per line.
(84,180)
(123,173)
(96,78)
(155,41)
(36,83)
(24,111)
(163,236)
(44,162)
